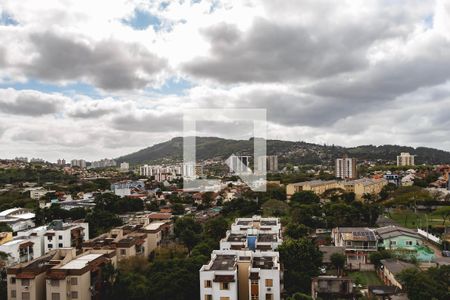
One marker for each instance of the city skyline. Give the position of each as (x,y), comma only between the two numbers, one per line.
(81,81)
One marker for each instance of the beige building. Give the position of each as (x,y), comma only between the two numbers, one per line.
(405,159)
(364,186)
(359,186)
(316,186)
(27,280)
(79,278)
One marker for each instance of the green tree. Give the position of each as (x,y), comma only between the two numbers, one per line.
(216,228)
(296,230)
(301,259)
(305,197)
(376,257)
(443,212)
(338,261)
(424,285)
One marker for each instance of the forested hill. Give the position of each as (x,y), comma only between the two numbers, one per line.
(288,151)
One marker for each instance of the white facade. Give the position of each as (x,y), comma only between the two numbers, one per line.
(241,275)
(22,249)
(345,168)
(124,167)
(405,159)
(269,163)
(81,163)
(239,164)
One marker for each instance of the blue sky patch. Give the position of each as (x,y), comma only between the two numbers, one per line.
(6,19)
(141,20)
(68,90)
(173,86)
(429,21)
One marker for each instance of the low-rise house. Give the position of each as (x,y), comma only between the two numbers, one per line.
(327,251)
(332,287)
(389,270)
(357,241)
(18,218)
(405,241)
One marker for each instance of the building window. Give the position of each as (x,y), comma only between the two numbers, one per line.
(208,297)
(25,296)
(49,246)
(49,238)
(74,295)
(25,282)
(59,237)
(224,298)
(60,245)
(13,294)
(269,297)
(393,243)
(13,280)
(269,282)
(409,243)
(54,282)
(224,286)
(73,281)
(123,251)
(208,283)
(55,296)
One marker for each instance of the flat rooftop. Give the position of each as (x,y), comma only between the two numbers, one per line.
(267,238)
(223,262)
(264,262)
(235,237)
(80,262)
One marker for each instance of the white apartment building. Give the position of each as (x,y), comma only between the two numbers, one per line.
(81,163)
(124,167)
(22,249)
(345,168)
(239,164)
(254,234)
(65,235)
(267,163)
(243,275)
(405,159)
(161,173)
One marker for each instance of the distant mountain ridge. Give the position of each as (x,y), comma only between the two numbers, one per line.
(288,151)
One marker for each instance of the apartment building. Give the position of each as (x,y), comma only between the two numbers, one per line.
(243,275)
(267,163)
(316,186)
(27,281)
(132,240)
(255,234)
(405,159)
(64,235)
(345,168)
(357,241)
(79,278)
(239,164)
(22,249)
(364,186)
(359,186)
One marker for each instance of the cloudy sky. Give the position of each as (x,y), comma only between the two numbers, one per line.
(93,79)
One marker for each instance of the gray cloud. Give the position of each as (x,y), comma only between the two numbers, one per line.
(30,103)
(271,52)
(108,64)
(148,122)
